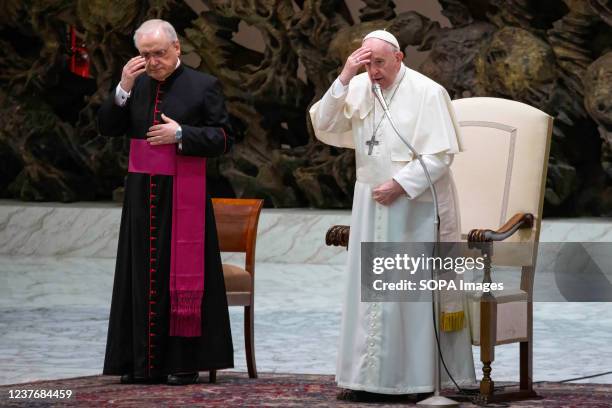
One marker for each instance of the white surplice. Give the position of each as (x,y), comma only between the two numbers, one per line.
(389,347)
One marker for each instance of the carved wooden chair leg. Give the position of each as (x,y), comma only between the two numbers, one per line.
(488,338)
(487,384)
(249,340)
(212,376)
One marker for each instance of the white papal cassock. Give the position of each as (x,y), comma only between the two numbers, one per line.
(389,347)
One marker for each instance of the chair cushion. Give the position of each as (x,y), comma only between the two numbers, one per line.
(511,316)
(236,279)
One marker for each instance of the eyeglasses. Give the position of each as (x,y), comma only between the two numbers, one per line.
(155,54)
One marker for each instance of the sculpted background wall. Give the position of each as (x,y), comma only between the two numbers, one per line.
(552,54)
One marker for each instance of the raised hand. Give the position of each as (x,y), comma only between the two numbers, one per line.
(360,57)
(131,70)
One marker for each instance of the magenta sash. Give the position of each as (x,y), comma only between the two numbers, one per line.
(188,226)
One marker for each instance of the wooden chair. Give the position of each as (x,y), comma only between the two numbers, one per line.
(237,221)
(500,180)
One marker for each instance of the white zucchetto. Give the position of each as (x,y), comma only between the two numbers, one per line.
(383,35)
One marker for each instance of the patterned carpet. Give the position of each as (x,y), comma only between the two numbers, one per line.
(271,390)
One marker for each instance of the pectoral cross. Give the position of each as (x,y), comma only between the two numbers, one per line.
(371,143)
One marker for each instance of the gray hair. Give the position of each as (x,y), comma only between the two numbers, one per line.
(151,26)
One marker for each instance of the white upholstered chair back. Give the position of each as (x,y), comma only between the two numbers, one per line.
(502,170)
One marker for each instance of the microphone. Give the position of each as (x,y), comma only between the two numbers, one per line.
(378,93)
(436,400)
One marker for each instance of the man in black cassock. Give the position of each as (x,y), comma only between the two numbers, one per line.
(161,104)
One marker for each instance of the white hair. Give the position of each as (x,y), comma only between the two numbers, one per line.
(155,25)
(393,48)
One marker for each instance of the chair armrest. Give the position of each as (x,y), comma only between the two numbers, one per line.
(338,235)
(518,221)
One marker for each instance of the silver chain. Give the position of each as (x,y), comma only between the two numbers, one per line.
(389,104)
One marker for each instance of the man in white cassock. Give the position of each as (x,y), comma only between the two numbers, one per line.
(389,347)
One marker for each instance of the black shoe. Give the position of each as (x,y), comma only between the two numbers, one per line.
(365,396)
(131,379)
(182,379)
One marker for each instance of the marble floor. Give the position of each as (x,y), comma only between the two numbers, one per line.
(54,311)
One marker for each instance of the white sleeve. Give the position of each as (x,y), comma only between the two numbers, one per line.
(338,89)
(412,178)
(328,114)
(121,96)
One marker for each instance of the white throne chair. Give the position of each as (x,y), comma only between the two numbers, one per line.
(500,180)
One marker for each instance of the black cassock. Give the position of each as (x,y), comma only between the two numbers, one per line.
(138,331)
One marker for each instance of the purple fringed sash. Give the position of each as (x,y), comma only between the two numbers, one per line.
(188,223)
